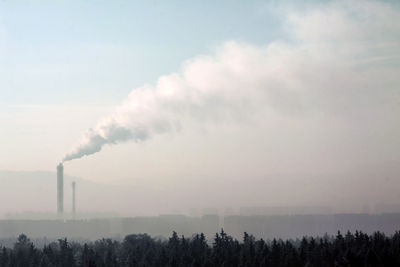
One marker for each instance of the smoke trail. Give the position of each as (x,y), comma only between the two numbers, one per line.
(241,78)
(222,87)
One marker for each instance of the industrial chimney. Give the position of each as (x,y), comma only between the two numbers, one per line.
(73,200)
(60,188)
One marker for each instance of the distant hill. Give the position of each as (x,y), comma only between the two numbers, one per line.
(35,193)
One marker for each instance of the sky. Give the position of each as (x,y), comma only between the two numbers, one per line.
(300,100)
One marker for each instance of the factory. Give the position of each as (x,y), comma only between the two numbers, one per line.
(60,192)
(60,189)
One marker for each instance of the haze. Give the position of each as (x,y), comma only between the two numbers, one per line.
(171,107)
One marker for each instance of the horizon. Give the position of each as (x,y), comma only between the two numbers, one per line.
(196,105)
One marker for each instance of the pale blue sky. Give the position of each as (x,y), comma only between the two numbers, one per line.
(60,52)
(293,88)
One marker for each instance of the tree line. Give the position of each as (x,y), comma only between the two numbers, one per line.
(350,249)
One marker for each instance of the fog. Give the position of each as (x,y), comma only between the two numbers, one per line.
(310,120)
(222,197)
(307,123)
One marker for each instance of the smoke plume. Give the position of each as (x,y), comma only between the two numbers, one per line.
(329,62)
(210,88)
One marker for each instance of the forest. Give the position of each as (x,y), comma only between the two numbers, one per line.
(350,249)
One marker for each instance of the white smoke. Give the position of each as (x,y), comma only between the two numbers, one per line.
(210,88)
(330,61)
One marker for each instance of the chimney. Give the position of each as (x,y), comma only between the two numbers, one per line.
(73,200)
(60,188)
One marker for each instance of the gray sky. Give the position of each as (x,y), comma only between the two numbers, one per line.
(270,103)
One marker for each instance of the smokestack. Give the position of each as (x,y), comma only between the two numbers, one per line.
(60,188)
(73,200)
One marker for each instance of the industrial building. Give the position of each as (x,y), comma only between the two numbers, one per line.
(60,189)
